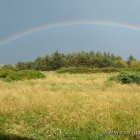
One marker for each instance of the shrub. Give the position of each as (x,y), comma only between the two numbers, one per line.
(135,69)
(9,75)
(120,64)
(7,79)
(108,70)
(134,63)
(127,77)
(95,70)
(5,72)
(30,74)
(78,70)
(86,70)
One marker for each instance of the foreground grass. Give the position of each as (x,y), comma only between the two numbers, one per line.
(69,107)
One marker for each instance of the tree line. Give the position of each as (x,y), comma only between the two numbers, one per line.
(80,59)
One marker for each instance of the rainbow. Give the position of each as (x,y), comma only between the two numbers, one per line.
(69,23)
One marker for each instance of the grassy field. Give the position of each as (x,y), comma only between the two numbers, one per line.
(69,107)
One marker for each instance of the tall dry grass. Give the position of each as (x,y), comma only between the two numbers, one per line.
(69,106)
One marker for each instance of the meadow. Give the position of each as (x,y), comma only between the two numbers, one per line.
(69,107)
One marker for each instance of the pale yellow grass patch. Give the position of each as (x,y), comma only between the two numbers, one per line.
(72,100)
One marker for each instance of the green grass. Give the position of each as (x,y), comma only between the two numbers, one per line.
(69,107)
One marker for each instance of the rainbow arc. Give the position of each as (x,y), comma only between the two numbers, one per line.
(69,23)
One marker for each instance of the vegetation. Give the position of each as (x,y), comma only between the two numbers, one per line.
(134,63)
(127,78)
(69,107)
(9,75)
(81,59)
(120,64)
(81,105)
(95,70)
(130,58)
(86,70)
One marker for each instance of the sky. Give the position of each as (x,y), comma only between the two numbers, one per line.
(32,28)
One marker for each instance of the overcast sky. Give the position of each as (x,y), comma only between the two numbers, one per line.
(17,16)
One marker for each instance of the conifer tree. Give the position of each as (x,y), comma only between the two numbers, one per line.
(129,59)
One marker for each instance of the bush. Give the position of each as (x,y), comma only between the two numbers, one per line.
(135,69)
(134,63)
(108,70)
(11,75)
(73,70)
(30,74)
(86,70)
(5,72)
(127,77)
(120,64)
(95,70)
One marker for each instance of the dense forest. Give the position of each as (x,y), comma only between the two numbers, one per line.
(80,59)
